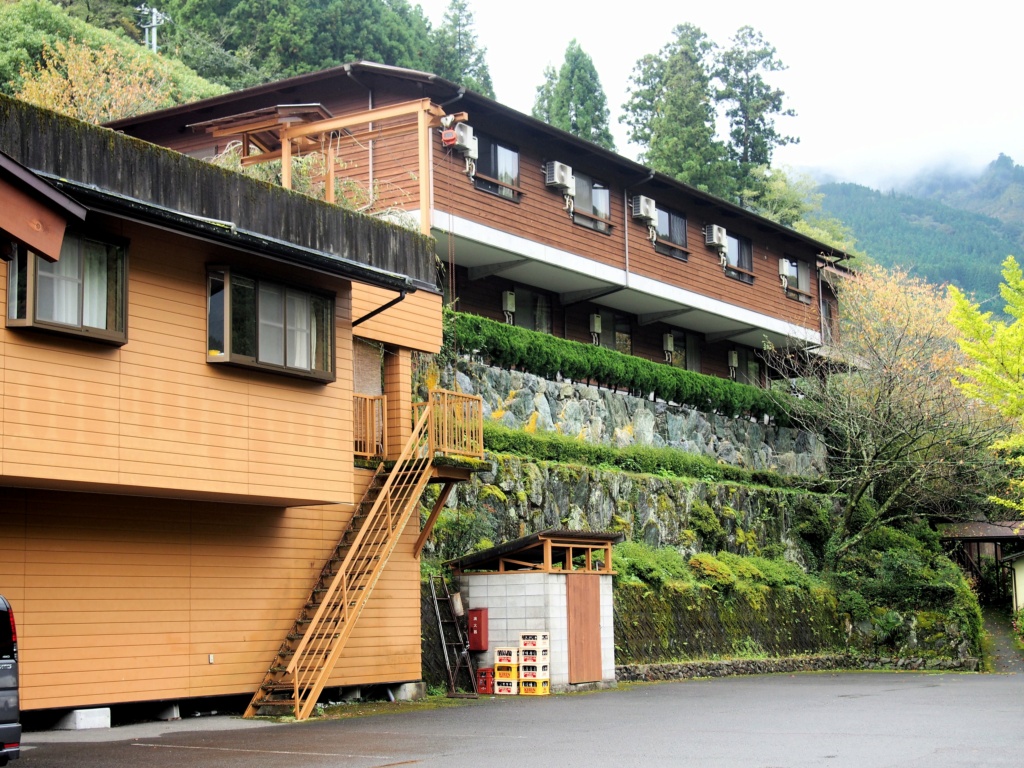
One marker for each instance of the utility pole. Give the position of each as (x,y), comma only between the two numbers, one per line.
(151,19)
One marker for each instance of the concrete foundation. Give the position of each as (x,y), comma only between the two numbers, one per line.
(84,719)
(409,691)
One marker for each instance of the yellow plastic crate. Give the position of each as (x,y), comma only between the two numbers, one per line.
(506,671)
(534,687)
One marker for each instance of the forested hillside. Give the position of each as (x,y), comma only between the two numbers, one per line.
(935,241)
(998,192)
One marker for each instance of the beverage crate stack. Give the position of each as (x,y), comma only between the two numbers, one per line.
(506,671)
(534,663)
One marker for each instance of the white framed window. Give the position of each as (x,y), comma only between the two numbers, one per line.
(671,233)
(83,293)
(497,168)
(260,323)
(593,204)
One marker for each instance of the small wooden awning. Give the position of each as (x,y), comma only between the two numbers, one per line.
(262,127)
(551,551)
(33,212)
(997,530)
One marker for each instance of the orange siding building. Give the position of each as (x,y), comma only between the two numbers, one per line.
(165,511)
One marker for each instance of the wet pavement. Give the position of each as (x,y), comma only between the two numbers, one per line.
(1006,657)
(833,720)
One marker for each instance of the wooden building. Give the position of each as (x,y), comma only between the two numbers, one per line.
(190,364)
(534,225)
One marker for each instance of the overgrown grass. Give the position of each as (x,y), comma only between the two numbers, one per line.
(544,355)
(638,458)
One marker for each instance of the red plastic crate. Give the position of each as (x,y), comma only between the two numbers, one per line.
(485,680)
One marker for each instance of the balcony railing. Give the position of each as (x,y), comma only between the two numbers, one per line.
(456,423)
(370,430)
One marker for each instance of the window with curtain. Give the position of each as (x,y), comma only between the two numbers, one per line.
(739,258)
(797,276)
(671,233)
(263,324)
(84,292)
(497,168)
(592,207)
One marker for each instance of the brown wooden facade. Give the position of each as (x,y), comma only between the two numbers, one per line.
(519,238)
(164,517)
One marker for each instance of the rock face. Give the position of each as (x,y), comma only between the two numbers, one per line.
(523,401)
(519,496)
(724,668)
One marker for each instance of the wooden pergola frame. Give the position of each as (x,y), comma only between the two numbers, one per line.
(546,552)
(294,134)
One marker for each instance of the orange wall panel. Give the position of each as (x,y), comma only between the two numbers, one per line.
(123,599)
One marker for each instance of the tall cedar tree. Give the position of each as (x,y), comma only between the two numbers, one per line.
(457,55)
(574,100)
(751,104)
(671,113)
(290,37)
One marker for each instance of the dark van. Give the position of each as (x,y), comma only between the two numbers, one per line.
(10,712)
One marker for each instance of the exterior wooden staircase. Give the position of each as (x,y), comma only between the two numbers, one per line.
(308,655)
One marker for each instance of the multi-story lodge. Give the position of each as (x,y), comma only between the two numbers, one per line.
(533,225)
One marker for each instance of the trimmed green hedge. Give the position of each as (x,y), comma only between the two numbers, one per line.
(638,458)
(548,356)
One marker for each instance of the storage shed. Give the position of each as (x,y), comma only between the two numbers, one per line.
(559,581)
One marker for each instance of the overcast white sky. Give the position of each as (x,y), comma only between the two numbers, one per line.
(881,89)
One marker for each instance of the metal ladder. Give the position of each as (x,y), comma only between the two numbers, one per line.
(453,640)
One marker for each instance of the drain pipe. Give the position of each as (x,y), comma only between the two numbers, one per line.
(369,149)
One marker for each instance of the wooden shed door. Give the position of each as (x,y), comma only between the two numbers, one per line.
(583,604)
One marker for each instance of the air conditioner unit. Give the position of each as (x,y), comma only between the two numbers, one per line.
(465,141)
(559,175)
(714,235)
(508,301)
(668,342)
(595,323)
(645,208)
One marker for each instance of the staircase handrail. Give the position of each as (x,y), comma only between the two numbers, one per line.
(339,580)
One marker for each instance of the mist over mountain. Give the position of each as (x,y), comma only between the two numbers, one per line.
(945,226)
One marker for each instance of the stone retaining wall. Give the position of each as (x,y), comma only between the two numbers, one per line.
(520,400)
(726,668)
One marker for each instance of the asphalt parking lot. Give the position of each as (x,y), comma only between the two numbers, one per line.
(855,720)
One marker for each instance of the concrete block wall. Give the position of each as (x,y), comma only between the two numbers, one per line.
(518,602)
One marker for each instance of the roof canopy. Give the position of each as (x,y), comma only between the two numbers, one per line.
(551,551)
(996,530)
